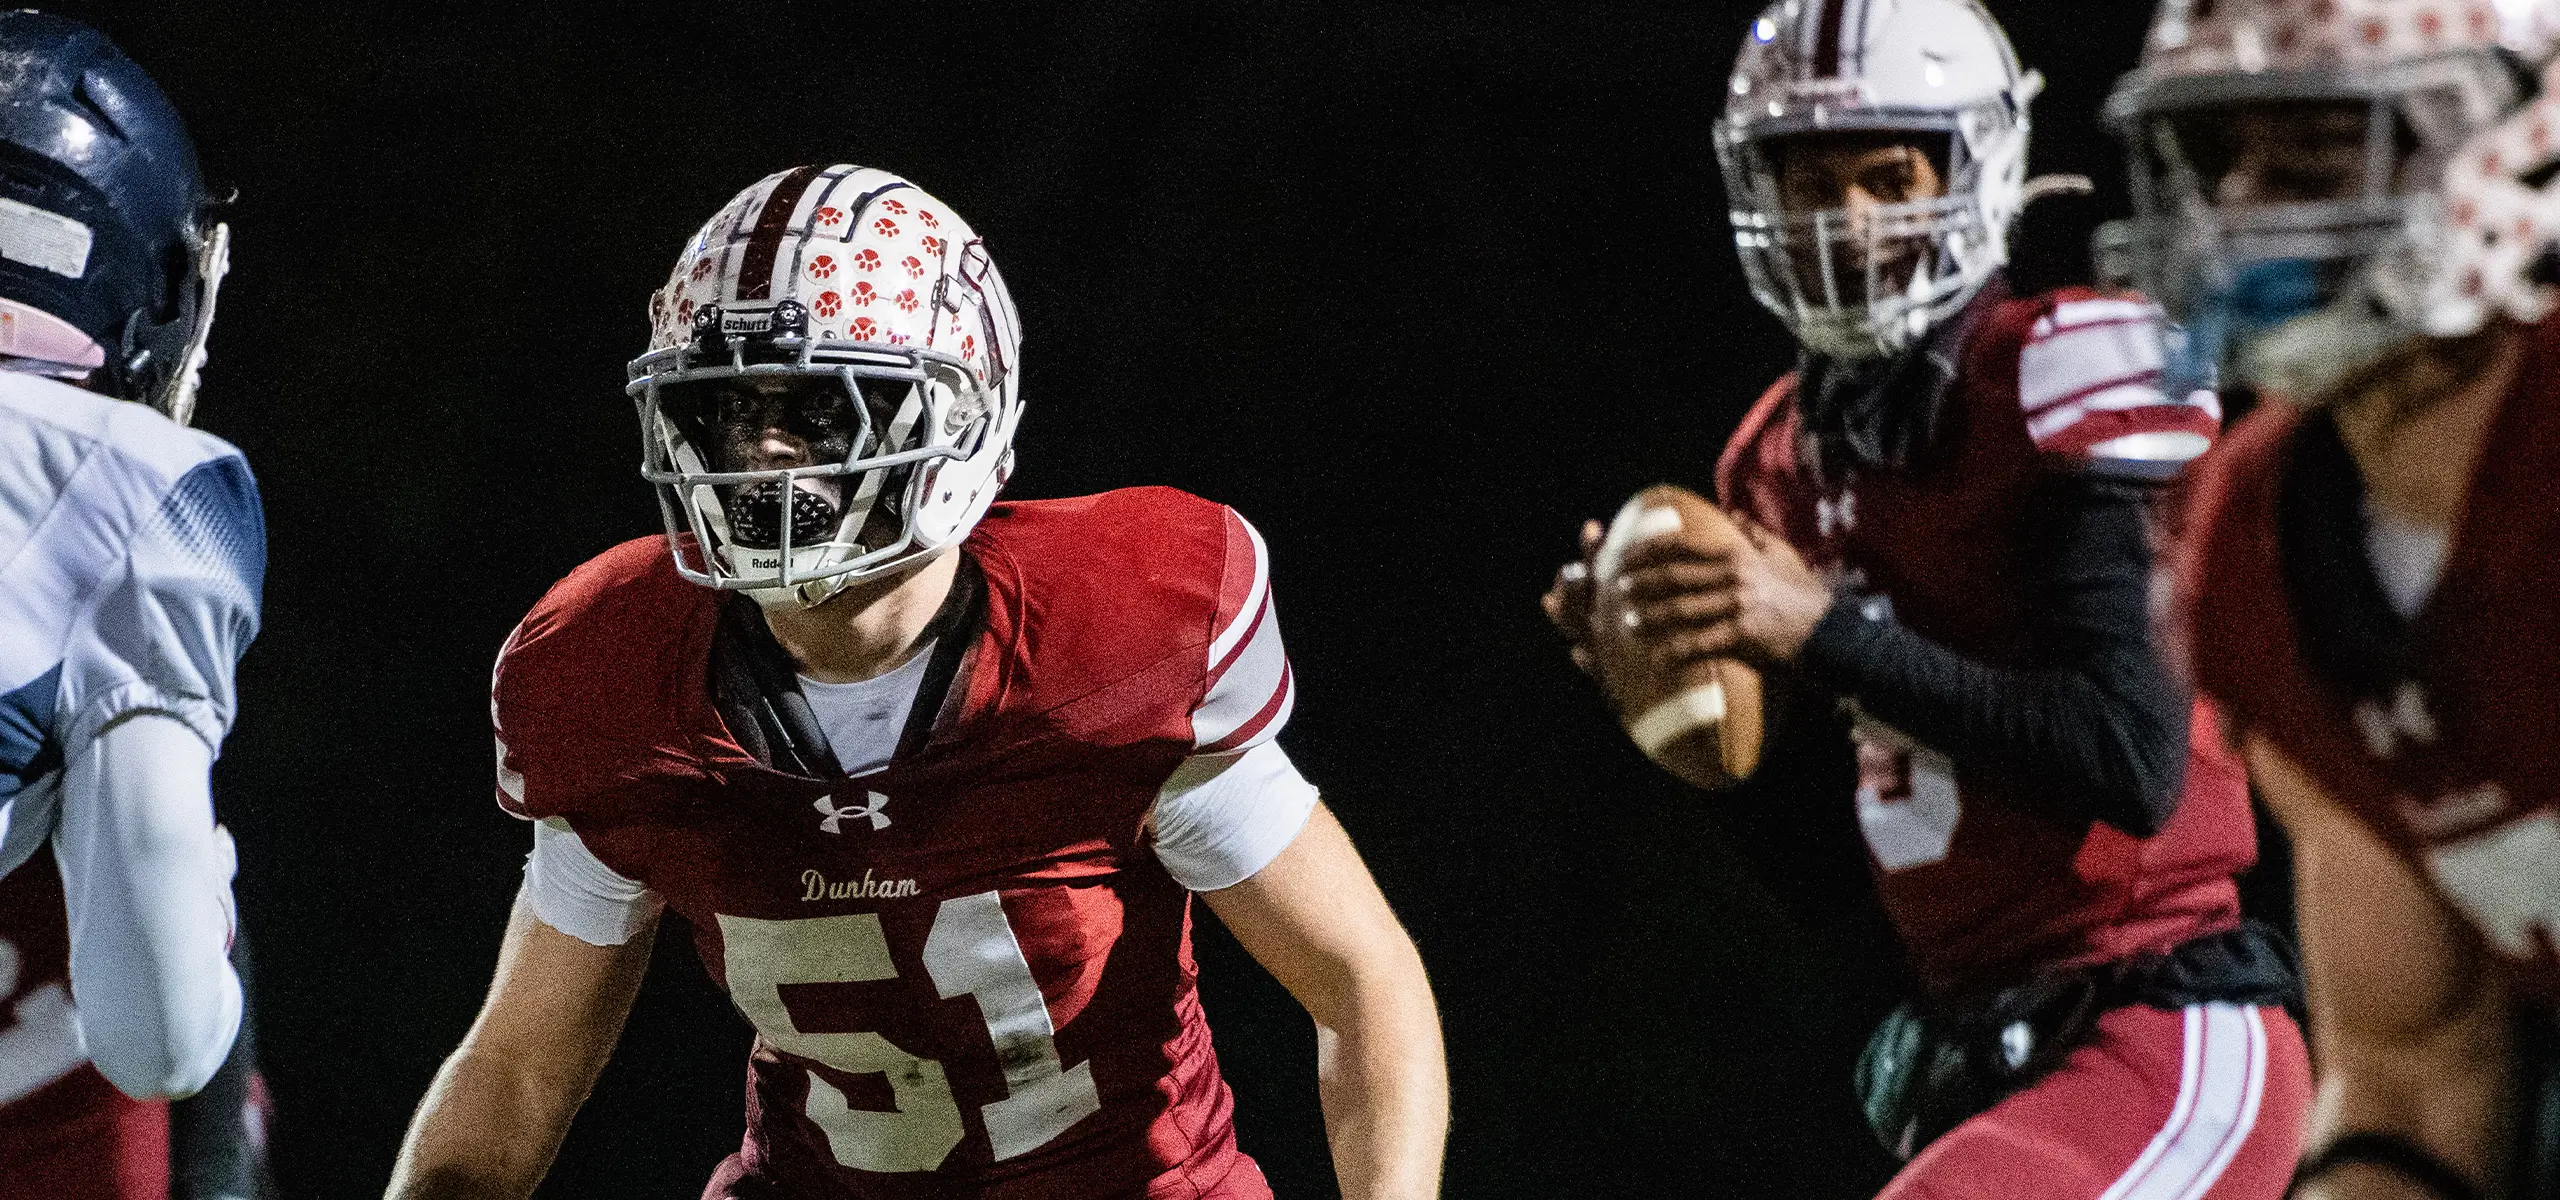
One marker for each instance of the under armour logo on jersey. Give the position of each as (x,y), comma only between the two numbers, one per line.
(1836,514)
(834,822)
(2405,722)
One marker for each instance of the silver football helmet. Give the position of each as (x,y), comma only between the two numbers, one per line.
(1871,283)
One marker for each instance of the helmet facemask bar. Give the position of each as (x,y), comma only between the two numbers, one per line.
(940,415)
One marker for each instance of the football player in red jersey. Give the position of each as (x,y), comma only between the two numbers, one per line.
(933,780)
(1944,509)
(2348,203)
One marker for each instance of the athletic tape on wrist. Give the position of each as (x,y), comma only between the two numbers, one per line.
(1668,721)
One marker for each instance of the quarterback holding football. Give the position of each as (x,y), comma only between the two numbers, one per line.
(931,779)
(1938,521)
(2349,203)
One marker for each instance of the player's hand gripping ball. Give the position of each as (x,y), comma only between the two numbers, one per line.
(1699,717)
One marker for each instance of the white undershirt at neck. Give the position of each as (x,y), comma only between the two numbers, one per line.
(2407,556)
(863,719)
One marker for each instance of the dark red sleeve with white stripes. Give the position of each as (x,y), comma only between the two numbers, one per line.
(2090,388)
(1249,689)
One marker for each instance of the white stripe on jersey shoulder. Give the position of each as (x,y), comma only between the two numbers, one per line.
(2222,1080)
(2085,359)
(1250,688)
(2160,447)
(2123,397)
(2072,314)
(1255,598)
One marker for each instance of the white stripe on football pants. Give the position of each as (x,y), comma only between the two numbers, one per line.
(2223,1079)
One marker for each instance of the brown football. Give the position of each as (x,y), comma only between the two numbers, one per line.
(1701,722)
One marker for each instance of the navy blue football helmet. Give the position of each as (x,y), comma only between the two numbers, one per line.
(109,257)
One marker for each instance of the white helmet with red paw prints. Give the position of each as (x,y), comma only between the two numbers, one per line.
(2300,283)
(2499,253)
(848,277)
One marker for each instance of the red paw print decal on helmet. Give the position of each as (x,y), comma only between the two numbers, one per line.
(829,303)
(830,216)
(930,221)
(864,329)
(893,207)
(866,260)
(907,300)
(885,227)
(933,245)
(914,266)
(863,295)
(704,266)
(968,347)
(822,267)
(899,339)
(684,313)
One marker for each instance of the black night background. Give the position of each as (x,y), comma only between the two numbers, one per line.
(1415,286)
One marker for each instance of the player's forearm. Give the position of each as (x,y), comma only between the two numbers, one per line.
(1384,1083)
(2099,718)
(487,1131)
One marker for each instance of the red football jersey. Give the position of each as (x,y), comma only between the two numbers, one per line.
(969,974)
(1980,884)
(65,1132)
(2447,753)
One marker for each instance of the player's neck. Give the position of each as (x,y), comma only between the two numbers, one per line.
(2416,444)
(870,628)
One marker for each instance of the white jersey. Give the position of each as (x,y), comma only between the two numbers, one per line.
(132,555)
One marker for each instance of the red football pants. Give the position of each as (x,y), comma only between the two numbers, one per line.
(2202,1104)
(74,1137)
(78,1138)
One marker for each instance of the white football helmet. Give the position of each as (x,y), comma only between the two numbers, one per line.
(1923,67)
(854,276)
(2499,253)
(2300,295)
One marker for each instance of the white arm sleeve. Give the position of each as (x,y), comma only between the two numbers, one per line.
(575,893)
(146,881)
(1223,817)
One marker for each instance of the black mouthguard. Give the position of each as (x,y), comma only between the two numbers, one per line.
(755,516)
